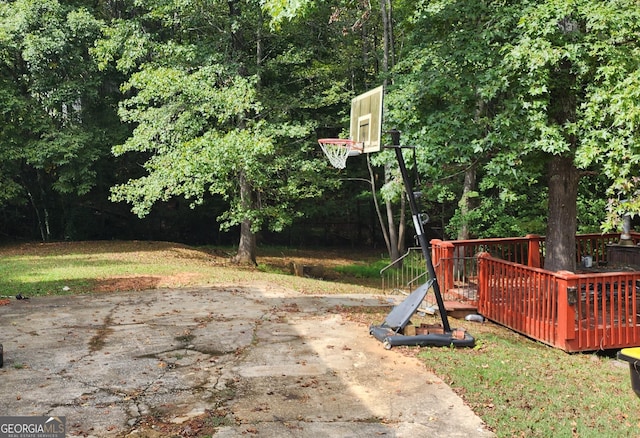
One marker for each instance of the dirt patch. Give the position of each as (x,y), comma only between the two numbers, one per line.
(328,258)
(143,282)
(118,284)
(97,342)
(321,264)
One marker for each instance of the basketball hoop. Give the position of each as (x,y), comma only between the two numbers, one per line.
(338,150)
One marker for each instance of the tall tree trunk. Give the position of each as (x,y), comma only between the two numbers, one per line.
(42,217)
(466,201)
(385,35)
(372,181)
(562,223)
(402,225)
(560,244)
(394,246)
(247,248)
(466,204)
(390,38)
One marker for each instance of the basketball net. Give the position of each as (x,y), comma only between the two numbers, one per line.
(338,150)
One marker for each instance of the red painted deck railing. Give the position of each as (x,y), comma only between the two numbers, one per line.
(456,263)
(456,266)
(574,312)
(528,250)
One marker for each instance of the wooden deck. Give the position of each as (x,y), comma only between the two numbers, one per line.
(596,309)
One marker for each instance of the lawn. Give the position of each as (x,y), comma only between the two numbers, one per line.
(518,386)
(38,269)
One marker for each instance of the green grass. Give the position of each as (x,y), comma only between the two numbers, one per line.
(363,270)
(39,269)
(523,388)
(262,267)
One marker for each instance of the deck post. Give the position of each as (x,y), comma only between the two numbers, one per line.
(567,298)
(483,280)
(436,251)
(443,254)
(533,251)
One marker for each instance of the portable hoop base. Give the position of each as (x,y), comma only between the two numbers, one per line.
(389,339)
(392,331)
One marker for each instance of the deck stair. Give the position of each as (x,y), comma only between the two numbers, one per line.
(409,271)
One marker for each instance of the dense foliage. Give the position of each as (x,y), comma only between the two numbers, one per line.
(524,115)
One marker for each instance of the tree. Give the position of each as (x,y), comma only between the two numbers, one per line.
(610,114)
(210,116)
(362,51)
(395,239)
(56,126)
(527,93)
(451,52)
(565,67)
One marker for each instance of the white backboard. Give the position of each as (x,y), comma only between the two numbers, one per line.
(366,119)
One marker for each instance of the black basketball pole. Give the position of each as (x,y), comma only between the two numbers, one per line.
(417,222)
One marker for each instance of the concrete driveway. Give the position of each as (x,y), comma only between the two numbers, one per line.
(252,360)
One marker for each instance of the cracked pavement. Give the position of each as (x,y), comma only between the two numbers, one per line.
(254,359)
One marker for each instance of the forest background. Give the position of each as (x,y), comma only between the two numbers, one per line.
(196,121)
